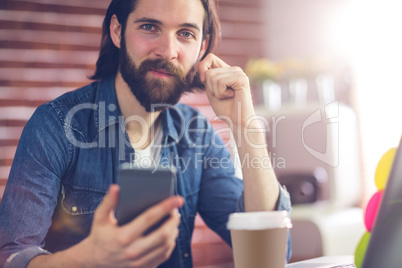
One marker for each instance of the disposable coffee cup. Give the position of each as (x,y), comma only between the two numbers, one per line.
(259,239)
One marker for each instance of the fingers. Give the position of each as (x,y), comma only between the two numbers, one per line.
(158,245)
(211,61)
(105,211)
(151,216)
(221,80)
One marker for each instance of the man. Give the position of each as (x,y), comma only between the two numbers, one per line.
(67,162)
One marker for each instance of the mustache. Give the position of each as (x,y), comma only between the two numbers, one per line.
(191,80)
(161,64)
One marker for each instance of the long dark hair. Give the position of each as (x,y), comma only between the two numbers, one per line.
(108,61)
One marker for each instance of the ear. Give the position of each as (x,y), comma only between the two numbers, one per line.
(204,46)
(115,31)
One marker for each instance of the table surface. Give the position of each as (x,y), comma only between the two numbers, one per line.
(325,262)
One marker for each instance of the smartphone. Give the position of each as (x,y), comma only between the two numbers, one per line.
(141,188)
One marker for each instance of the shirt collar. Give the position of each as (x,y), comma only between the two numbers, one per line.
(106,98)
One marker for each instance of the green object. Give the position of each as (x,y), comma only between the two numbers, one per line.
(361,249)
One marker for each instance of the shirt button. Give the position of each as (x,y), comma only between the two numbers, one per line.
(185,255)
(74,209)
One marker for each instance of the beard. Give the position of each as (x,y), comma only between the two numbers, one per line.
(152,93)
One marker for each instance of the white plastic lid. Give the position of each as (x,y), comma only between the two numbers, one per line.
(259,220)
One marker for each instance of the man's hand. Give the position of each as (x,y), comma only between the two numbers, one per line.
(228,90)
(111,245)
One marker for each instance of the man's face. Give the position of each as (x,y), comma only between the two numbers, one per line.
(160,49)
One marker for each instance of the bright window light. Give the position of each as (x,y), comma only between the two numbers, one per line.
(368,33)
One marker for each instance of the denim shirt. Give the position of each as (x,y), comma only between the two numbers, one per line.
(69,154)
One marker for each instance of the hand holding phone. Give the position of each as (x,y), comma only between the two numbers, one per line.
(110,245)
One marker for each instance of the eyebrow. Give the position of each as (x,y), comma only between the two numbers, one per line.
(154,21)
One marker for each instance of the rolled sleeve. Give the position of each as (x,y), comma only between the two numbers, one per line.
(240,204)
(283,200)
(21,258)
(284,203)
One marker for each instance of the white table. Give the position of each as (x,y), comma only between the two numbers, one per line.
(325,262)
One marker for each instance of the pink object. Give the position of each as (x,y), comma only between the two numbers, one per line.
(371,210)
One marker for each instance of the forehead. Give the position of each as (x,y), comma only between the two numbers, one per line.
(171,12)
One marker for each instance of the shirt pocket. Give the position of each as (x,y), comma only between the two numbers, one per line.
(79,200)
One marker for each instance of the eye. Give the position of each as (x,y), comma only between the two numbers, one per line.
(187,34)
(148,27)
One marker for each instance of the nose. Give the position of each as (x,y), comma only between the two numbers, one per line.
(166,48)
